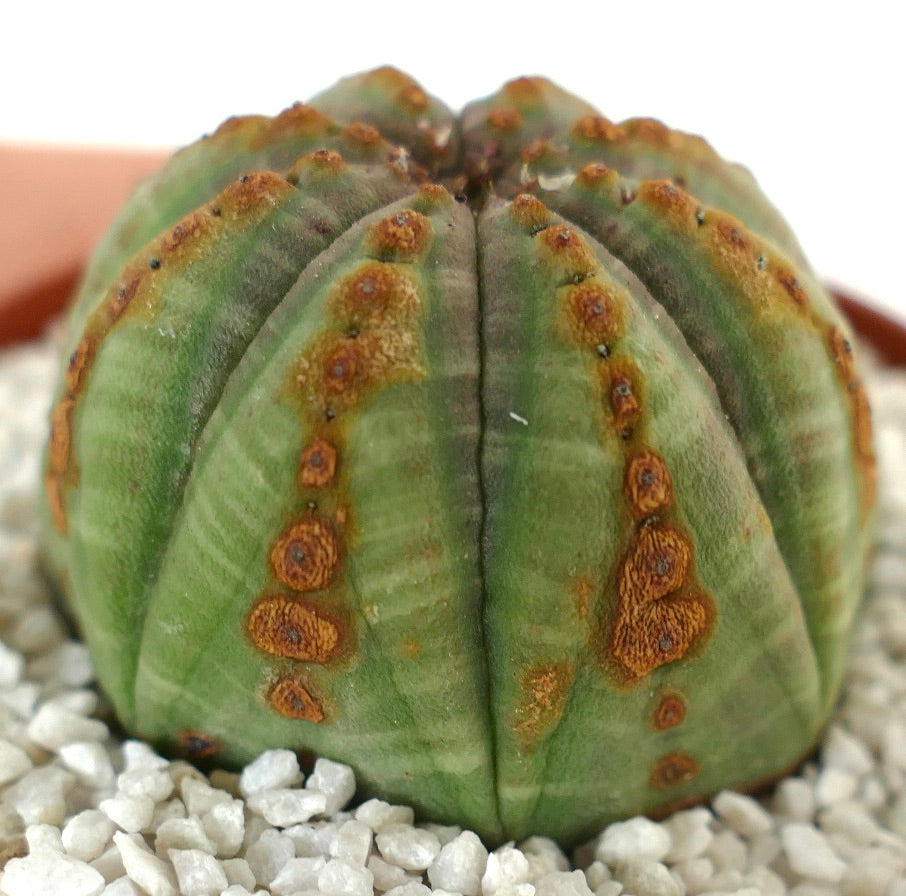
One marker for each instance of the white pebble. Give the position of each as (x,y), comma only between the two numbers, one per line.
(376,814)
(224,823)
(352,842)
(138,754)
(893,743)
(284,807)
(11,665)
(148,871)
(238,872)
(335,780)
(182,833)
(695,873)
(843,750)
(81,701)
(648,877)
(609,888)
(55,726)
(268,854)
(110,863)
(690,834)
(562,883)
(167,811)
(298,874)
(765,882)
(795,799)
(22,698)
(39,796)
(637,838)
(72,665)
(14,762)
(145,780)
(130,813)
(809,853)
(122,886)
(506,868)
(200,797)
(764,848)
(90,762)
(43,836)
(272,770)
(544,856)
(313,838)
(834,785)
(387,876)
(728,851)
(460,865)
(411,848)
(411,888)
(340,879)
(197,872)
(872,874)
(47,872)
(745,815)
(87,834)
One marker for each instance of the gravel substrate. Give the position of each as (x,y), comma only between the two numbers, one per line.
(82,813)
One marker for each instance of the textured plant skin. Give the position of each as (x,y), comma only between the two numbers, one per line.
(515,458)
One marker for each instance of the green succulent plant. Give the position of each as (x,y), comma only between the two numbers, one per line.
(515,458)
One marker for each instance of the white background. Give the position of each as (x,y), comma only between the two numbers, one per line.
(810,96)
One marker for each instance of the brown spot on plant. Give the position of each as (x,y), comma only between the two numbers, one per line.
(306,555)
(292,698)
(292,628)
(673,770)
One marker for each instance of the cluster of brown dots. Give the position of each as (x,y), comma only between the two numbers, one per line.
(370,339)
(660,612)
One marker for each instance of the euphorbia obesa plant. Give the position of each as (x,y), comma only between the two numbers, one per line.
(515,458)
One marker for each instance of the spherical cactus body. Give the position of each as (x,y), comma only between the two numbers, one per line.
(515,458)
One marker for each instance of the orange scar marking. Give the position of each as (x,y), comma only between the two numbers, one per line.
(433,195)
(340,370)
(670,712)
(653,626)
(842,352)
(567,254)
(290,628)
(195,745)
(402,235)
(378,293)
(544,690)
(363,134)
(318,464)
(292,699)
(648,486)
(505,118)
(674,203)
(299,120)
(306,555)
(672,770)
(530,212)
(623,397)
(598,175)
(414,97)
(787,279)
(597,129)
(596,313)
(256,191)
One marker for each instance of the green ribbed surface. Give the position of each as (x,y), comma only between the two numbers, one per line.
(504,631)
